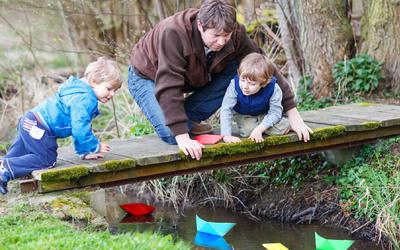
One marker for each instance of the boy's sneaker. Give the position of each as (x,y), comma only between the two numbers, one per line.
(201,128)
(4,178)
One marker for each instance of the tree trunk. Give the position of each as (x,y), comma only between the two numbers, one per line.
(380,32)
(320,34)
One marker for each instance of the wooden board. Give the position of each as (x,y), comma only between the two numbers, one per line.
(388,115)
(351,124)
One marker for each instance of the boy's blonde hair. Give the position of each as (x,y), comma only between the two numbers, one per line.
(217,14)
(256,67)
(104,70)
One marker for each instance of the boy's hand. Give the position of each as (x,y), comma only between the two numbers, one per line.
(257,133)
(230,139)
(104,148)
(93,156)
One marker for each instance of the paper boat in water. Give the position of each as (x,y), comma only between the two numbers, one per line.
(211,241)
(328,244)
(215,228)
(275,246)
(138,209)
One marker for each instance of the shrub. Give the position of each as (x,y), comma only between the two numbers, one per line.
(358,76)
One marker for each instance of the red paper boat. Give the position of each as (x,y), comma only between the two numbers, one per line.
(138,209)
(208,139)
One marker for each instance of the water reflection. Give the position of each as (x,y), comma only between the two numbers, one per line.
(247,234)
(137,219)
(211,241)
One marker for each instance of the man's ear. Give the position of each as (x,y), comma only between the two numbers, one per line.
(199,26)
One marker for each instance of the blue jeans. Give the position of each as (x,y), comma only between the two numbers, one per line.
(28,153)
(199,106)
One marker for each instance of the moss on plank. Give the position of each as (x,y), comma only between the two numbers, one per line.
(115,165)
(366,104)
(65,174)
(243,147)
(371,125)
(327,132)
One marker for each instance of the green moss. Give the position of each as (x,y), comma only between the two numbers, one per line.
(366,104)
(65,174)
(276,140)
(115,165)
(83,196)
(72,207)
(243,147)
(371,125)
(327,132)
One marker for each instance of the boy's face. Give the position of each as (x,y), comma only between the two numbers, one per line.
(213,39)
(249,87)
(104,91)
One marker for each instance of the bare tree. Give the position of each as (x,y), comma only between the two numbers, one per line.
(380,34)
(317,35)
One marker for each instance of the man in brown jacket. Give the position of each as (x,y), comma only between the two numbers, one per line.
(194,51)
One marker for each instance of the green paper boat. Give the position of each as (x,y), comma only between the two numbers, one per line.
(328,244)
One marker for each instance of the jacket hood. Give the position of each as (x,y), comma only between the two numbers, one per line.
(75,85)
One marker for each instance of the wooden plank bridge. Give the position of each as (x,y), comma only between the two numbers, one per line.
(147,157)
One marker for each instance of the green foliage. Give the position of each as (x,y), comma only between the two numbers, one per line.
(141,126)
(358,76)
(370,181)
(60,61)
(306,99)
(28,229)
(221,177)
(370,187)
(290,171)
(63,142)
(4,148)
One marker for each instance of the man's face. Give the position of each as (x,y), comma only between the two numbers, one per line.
(213,39)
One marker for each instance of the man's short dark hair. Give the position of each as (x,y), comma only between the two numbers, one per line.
(217,14)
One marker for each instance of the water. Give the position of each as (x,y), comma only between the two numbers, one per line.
(246,235)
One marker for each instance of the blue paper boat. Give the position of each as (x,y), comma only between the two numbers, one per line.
(215,228)
(211,241)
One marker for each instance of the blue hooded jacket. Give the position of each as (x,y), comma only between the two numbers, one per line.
(70,112)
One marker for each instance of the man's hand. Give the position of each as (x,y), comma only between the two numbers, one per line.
(298,126)
(230,138)
(189,146)
(257,133)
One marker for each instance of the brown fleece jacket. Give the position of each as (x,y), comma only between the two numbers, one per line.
(172,54)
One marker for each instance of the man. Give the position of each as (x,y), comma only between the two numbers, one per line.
(198,51)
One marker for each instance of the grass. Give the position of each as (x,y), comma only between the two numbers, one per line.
(26,228)
(370,186)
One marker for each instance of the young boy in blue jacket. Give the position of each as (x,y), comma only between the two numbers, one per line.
(68,113)
(253,100)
